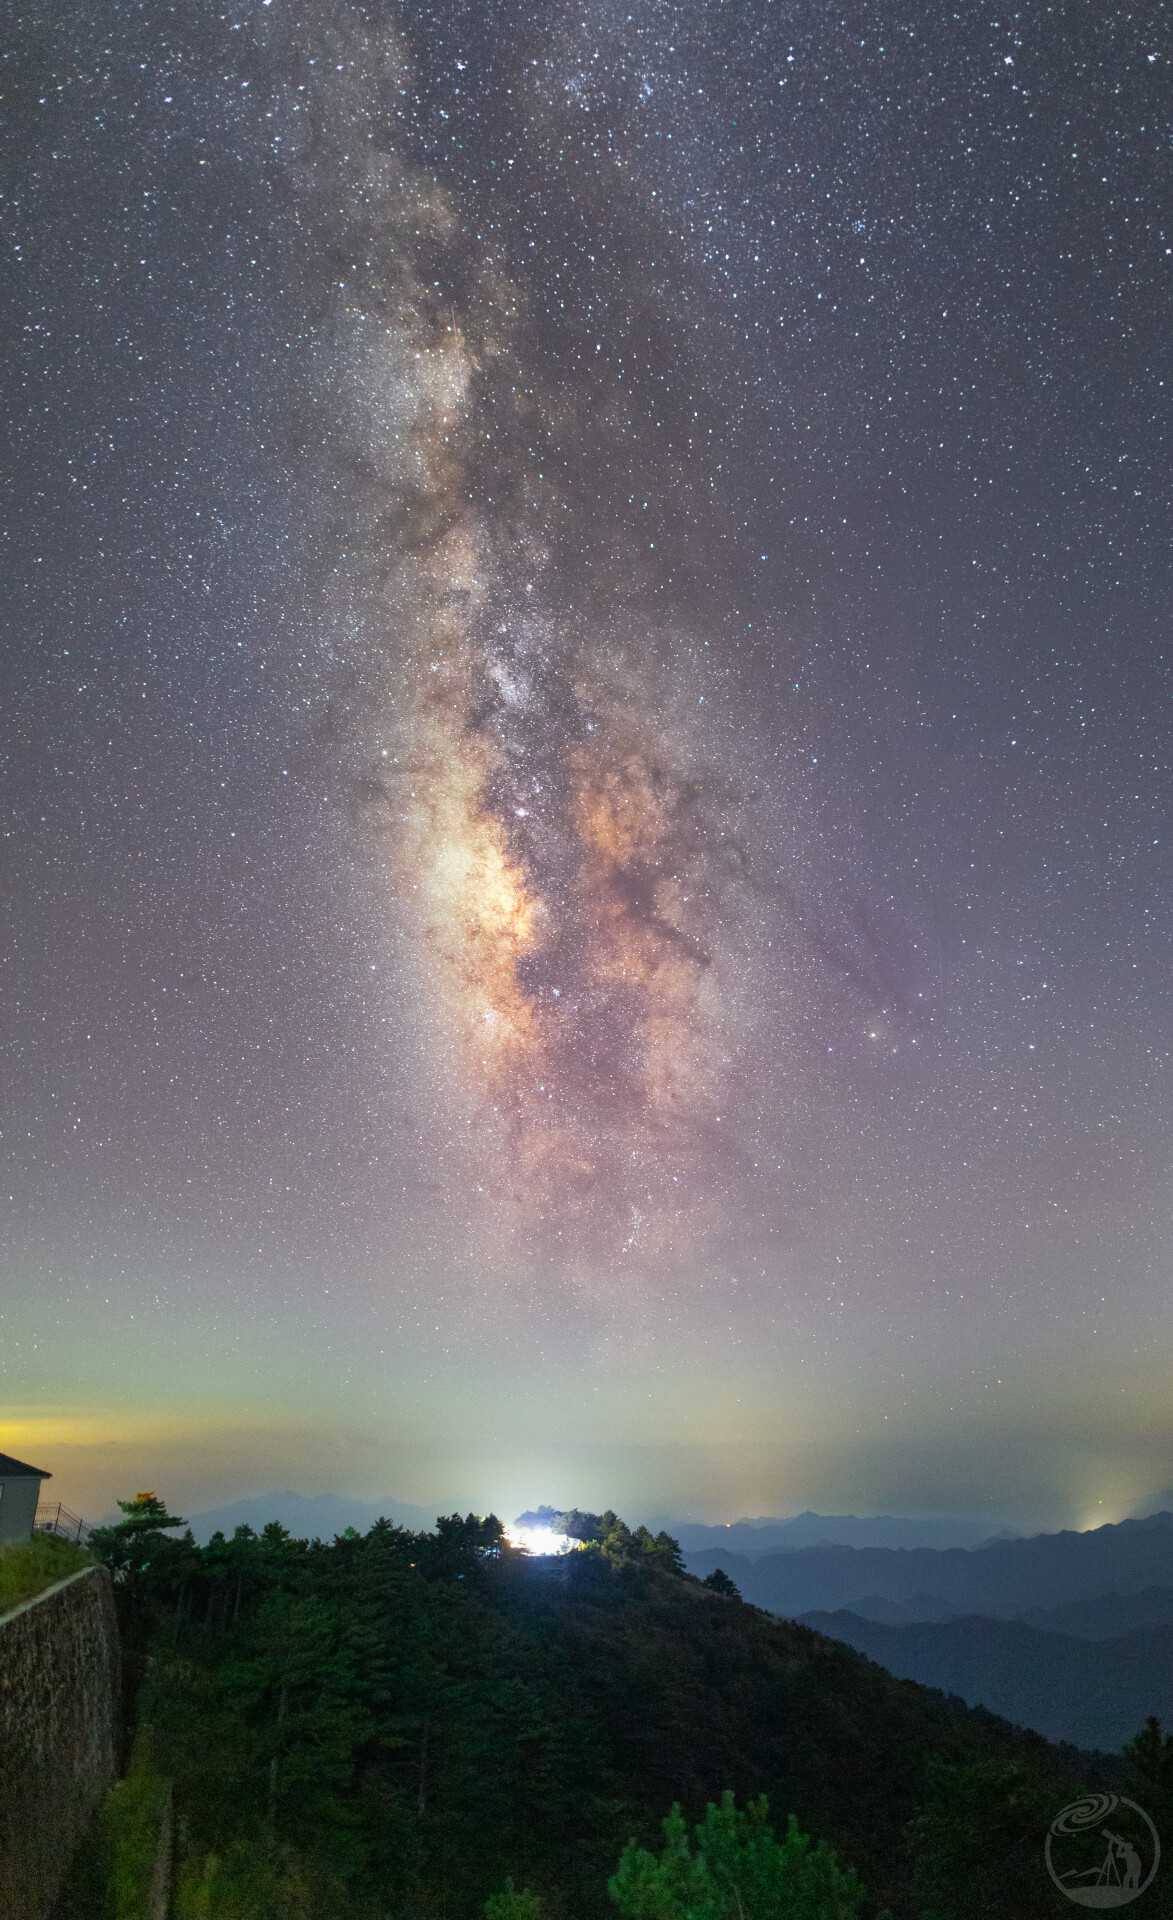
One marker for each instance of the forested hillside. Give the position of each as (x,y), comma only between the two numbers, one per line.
(403,1723)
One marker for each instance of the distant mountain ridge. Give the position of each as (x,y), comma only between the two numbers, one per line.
(307,1516)
(1105,1617)
(757,1537)
(1003,1577)
(1063,1687)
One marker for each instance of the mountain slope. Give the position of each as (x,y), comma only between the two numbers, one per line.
(1064,1688)
(1108,1616)
(406,1720)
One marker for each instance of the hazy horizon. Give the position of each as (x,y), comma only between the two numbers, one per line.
(955,1526)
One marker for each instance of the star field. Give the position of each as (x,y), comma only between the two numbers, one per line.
(586,750)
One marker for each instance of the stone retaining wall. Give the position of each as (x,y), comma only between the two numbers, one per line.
(59,1693)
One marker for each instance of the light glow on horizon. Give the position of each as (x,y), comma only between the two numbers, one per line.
(540,1540)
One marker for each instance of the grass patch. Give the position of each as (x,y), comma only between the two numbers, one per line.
(133,1817)
(112,1870)
(28,1567)
(252,1881)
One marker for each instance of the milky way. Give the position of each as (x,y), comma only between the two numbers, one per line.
(559,817)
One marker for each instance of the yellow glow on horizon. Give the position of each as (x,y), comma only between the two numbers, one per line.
(115,1427)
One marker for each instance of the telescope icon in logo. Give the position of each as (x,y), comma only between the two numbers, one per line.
(1102,1851)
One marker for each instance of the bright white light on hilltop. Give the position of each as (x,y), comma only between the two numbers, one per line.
(539,1539)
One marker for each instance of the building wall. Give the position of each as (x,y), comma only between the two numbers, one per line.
(59,1692)
(18,1505)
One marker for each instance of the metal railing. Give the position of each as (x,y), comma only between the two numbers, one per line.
(58,1519)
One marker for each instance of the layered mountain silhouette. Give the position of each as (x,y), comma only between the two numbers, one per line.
(308,1517)
(1094,1695)
(1009,1625)
(1004,1577)
(757,1537)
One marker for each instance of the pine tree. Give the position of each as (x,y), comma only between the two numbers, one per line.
(736,1870)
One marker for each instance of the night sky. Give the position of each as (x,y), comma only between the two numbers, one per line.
(586,746)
